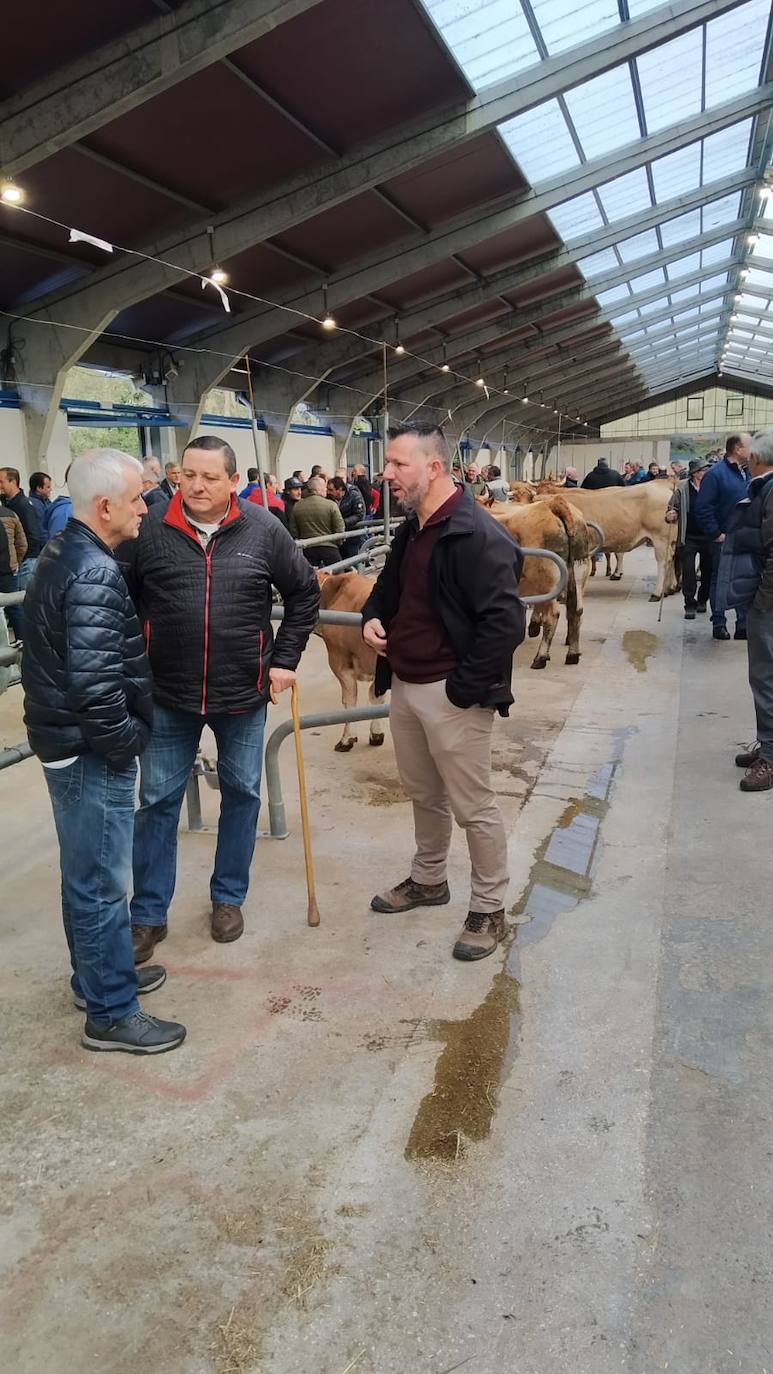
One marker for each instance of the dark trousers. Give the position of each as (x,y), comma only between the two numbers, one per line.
(322,555)
(9,582)
(718,608)
(759,634)
(689,551)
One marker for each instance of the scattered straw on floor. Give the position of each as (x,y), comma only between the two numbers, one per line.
(305,1269)
(236,1348)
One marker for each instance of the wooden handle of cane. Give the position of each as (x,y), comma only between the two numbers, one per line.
(313,909)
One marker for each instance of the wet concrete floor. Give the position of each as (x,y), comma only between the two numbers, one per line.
(368,1157)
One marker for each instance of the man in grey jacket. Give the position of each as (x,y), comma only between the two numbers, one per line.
(691,541)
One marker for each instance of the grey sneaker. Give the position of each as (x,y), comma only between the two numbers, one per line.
(136,1034)
(481,934)
(148,979)
(409,894)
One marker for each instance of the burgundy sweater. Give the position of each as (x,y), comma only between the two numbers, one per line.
(418,648)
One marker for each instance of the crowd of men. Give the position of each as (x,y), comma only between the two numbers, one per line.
(136,636)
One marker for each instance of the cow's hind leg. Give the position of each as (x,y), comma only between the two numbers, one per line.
(618,573)
(376,736)
(574,609)
(535,623)
(348,682)
(549,615)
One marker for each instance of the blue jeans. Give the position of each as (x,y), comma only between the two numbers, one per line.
(719,611)
(165,768)
(94,816)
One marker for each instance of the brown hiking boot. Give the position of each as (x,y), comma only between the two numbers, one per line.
(481,934)
(759,777)
(227,922)
(748,756)
(144,941)
(409,894)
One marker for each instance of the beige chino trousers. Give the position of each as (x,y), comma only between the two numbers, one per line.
(444,760)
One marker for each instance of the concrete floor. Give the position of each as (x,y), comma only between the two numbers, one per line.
(369,1157)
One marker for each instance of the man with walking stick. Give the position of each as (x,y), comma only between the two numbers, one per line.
(201,576)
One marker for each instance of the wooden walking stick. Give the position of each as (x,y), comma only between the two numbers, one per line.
(313,910)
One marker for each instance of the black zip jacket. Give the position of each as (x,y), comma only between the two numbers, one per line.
(473,576)
(207,614)
(85,674)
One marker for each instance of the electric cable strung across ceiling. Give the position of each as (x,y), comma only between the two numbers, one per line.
(13,196)
(396,401)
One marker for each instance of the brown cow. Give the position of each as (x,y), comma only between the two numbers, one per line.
(629,516)
(350,659)
(551,524)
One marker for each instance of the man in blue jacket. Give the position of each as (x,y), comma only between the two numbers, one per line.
(746,581)
(88,710)
(721,489)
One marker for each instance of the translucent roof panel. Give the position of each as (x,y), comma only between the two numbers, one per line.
(490,39)
(540,142)
(597,263)
(734,46)
(671,79)
(717,252)
(726,151)
(683,227)
(565,25)
(639,246)
(682,266)
(647,281)
(615,293)
(677,172)
(721,211)
(603,112)
(576,217)
(625,195)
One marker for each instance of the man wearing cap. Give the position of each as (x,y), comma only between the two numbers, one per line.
(691,539)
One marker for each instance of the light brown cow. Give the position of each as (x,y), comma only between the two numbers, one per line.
(629,516)
(556,525)
(350,659)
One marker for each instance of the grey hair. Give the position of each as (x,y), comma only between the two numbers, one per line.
(151,470)
(99,472)
(762,447)
(317,485)
(173,463)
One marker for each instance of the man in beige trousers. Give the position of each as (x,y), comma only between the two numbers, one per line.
(445,619)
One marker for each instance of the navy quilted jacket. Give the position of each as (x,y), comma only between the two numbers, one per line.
(84,670)
(207,615)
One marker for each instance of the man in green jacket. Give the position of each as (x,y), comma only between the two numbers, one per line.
(314,516)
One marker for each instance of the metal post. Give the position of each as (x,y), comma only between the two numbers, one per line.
(254,427)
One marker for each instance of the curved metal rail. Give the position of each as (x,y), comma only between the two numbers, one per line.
(595,526)
(277,819)
(563,576)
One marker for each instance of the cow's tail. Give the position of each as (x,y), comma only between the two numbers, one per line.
(577,534)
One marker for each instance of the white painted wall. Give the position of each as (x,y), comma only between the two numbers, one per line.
(299,451)
(583,454)
(671,418)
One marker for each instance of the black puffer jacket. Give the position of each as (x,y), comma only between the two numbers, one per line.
(207,615)
(84,670)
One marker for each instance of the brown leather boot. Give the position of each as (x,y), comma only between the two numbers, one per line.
(227,922)
(144,941)
(759,777)
(409,894)
(481,934)
(748,756)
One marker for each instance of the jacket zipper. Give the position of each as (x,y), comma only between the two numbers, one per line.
(207,581)
(260,660)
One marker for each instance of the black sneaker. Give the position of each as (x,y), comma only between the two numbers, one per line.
(740,632)
(748,756)
(148,979)
(720,632)
(701,608)
(689,612)
(136,1034)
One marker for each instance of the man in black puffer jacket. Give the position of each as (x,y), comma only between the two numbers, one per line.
(88,712)
(201,576)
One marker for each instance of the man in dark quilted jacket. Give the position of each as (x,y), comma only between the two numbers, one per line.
(88,711)
(201,575)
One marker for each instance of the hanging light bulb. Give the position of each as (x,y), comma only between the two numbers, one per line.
(399,350)
(445,367)
(10,193)
(217,275)
(327,319)
(505,387)
(753,239)
(479,380)
(525,400)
